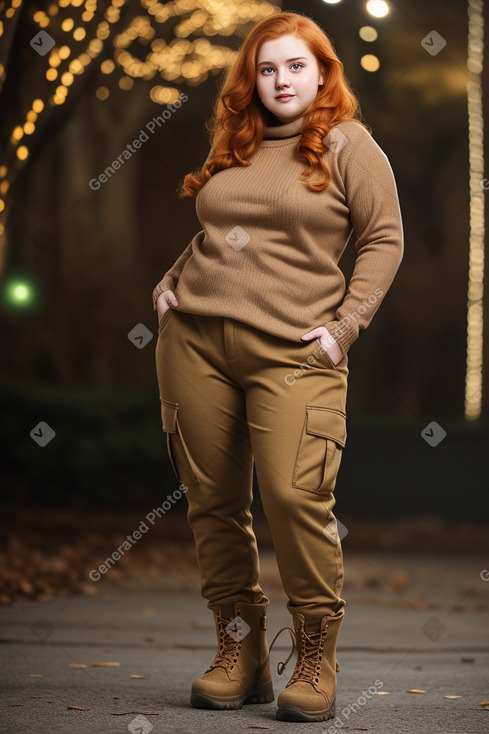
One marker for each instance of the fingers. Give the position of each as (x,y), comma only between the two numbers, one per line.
(164,301)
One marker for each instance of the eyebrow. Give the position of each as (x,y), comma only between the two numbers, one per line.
(297,58)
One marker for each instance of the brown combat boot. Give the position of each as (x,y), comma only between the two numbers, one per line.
(240,671)
(310,693)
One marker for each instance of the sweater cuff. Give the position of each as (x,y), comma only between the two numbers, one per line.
(344,334)
(166,284)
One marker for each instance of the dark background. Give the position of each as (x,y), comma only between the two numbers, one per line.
(93,258)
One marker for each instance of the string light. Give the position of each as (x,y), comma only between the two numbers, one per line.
(475,320)
(368,34)
(22,152)
(377,8)
(370,62)
(85,29)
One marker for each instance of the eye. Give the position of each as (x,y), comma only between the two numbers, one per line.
(270,68)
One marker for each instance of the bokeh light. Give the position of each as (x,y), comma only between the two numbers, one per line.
(370,62)
(19,293)
(377,8)
(368,34)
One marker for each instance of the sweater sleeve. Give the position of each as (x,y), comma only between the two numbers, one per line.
(170,278)
(372,199)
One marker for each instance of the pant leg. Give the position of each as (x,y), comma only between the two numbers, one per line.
(204,419)
(295,401)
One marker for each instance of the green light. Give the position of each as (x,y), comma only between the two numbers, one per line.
(19,294)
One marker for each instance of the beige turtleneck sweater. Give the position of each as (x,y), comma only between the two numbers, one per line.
(269,247)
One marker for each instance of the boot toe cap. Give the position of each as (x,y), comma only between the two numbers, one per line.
(304,696)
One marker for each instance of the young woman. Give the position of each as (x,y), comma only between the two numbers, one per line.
(255,324)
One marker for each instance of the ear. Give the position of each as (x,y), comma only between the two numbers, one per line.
(321,81)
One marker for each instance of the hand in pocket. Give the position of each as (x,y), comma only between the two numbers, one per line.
(164,301)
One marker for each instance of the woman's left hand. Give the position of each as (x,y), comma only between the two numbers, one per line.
(327,341)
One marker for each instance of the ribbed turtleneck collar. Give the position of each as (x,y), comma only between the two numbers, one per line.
(287,130)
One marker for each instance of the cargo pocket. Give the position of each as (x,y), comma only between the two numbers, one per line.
(320,450)
(178,452)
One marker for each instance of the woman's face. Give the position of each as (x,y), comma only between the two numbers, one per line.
(286,66)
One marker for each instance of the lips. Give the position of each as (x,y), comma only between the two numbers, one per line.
(285,96)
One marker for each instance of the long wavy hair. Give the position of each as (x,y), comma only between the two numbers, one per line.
(239,117)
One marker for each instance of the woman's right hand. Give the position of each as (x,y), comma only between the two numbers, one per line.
(164,301)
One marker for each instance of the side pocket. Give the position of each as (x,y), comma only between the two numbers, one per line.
(320,450)
(181,461)
(323,357)
(164,319)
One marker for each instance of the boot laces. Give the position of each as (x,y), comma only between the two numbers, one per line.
(281,666)
(310,654)
(229,648)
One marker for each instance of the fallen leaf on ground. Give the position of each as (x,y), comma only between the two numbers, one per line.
(77,665)
(372,581)
(484,703)
(399,580)
(256,726)
(88,588)
(77,708)
(136,676)
(105,665)
(381,693)
(35,675)
(452,696)
(415,690)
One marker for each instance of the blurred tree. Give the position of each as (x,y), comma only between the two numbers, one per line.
(79,83)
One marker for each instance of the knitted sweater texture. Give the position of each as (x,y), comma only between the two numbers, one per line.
(269,247)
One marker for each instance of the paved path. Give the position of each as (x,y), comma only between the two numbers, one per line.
(411,623)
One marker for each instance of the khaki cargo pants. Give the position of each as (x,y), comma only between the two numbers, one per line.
(232,395)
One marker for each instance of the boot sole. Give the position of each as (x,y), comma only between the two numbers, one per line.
(294,713)
(260,694)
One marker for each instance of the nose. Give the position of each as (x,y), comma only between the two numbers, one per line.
(282,80)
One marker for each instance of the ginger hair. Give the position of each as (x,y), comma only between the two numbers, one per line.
(239,118)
